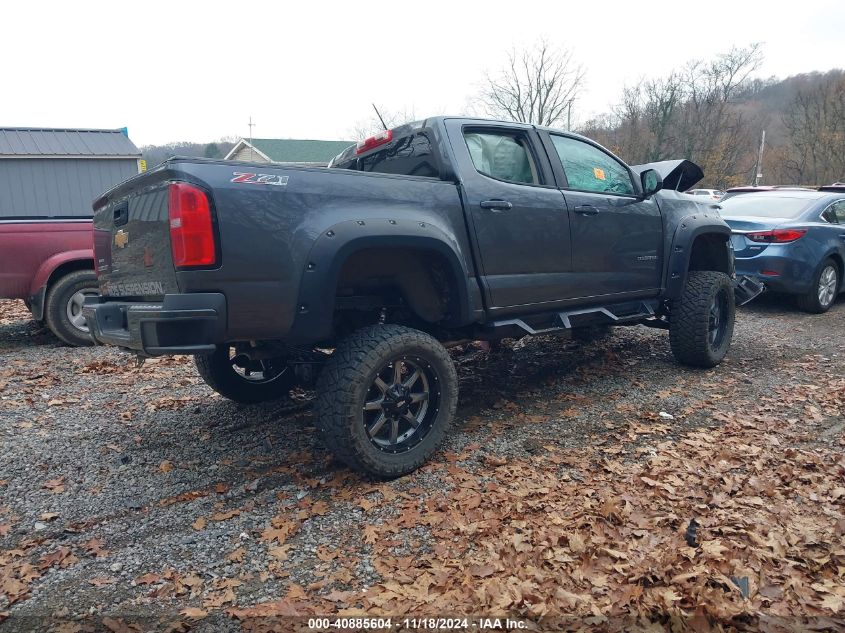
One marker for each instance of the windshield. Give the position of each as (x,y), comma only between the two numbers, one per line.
(755,204)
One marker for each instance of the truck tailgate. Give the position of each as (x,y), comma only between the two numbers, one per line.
(132,245)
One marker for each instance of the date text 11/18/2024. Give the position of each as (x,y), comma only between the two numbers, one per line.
(436,624)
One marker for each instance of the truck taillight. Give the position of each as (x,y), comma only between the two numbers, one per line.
(191,228)
(777,236)
(374,141)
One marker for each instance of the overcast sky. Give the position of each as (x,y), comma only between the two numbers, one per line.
(174,71)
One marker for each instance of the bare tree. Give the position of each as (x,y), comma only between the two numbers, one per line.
(647,118)
(815,125)
(691,113)
(713,131)
(539,85)
(372,125)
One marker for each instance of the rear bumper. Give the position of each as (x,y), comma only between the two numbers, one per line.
(180,324)
(778,273)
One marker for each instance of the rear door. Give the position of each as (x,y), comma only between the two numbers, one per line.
(518,218)
(617,236)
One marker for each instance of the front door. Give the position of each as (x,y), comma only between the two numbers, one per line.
(518,217)
(617,237)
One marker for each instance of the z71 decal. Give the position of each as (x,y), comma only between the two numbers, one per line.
(259,179)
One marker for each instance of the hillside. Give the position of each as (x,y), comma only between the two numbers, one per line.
(154,154)
(697,113)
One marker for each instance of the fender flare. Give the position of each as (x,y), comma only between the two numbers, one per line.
(38,286)
(690,228)
(49,266)
(315,304)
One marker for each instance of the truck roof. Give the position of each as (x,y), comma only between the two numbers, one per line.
(413,126)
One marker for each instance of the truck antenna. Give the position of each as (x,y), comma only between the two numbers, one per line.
(378,114)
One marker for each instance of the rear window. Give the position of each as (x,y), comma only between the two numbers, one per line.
(411,155)
(761,205)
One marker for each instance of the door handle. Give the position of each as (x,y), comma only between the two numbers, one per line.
(586,209)
(496,205)
(121,214)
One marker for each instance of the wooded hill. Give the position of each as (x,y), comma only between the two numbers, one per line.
(154,154)
(711,113)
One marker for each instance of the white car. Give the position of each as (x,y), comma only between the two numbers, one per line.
(713,194)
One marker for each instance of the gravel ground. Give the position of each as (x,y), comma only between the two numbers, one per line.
(138,492)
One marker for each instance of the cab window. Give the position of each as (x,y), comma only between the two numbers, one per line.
(829,214)
(410,156)
(502,156)
(587,168)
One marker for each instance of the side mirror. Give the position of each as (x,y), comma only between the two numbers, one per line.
(651,182)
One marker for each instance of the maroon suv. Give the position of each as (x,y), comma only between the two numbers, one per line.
(48,180)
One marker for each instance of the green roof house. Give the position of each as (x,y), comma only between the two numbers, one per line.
(287,151)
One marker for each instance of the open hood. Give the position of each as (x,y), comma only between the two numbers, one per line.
(679,175)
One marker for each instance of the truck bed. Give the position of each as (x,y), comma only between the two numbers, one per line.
(268,220)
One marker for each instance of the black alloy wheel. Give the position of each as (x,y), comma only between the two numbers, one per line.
(401,404)
(717,326)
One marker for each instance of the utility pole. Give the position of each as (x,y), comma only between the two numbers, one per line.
(569,117)
(251,124)
(758,168)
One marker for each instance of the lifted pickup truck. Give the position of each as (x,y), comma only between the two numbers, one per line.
(355,277)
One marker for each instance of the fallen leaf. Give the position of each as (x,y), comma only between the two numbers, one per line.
(194,613)
(95,548)
(237,556)
(148,579)
(54,485)
(320,508)
(224,516)
(218,598)
(576,543)
(482,571)
(365,504)
(492,460)
(371,535)
(279,552)
(833,602)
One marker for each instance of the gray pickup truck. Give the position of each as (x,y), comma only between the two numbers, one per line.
(354,278)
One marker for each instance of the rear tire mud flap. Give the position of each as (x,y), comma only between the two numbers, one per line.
(746,289)
(35,303)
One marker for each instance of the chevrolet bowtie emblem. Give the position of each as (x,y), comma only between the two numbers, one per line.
(121,238)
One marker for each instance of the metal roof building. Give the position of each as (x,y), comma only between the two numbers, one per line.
(287,151)
(57,173)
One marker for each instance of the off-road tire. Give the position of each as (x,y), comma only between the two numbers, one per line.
(690,319)
(342,389)
(217,372)
(810,302)
(59,295)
